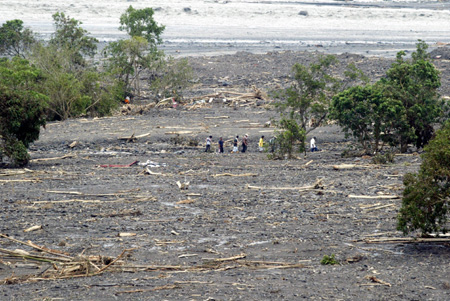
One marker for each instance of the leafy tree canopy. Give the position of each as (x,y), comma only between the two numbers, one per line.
(15,40)
(368,115)
(140,23)
(70,35)
(21,108)
(414,83)
(426,198)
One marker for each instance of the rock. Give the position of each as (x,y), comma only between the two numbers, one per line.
(303,13)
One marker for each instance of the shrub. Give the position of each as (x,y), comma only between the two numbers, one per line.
(329,260)
(426,197)
(383,158)
(289,139)
(21,108)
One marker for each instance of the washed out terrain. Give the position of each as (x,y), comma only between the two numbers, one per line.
(184,224)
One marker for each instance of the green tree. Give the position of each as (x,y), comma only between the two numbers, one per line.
(368,115)
(73,90)
(128,59)
(15,40)
(290,139)
(70,35)
(426,197)
(415,82)
(140,23)
(21,108)
(309,96)
(170,77)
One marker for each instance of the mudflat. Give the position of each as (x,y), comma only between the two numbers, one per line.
(182,224)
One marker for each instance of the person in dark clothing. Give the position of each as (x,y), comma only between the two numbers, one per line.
(244,143)
(220,145)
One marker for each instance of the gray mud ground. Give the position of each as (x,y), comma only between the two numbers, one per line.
(242,207)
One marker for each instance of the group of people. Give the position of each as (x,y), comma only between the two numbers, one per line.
(244,144)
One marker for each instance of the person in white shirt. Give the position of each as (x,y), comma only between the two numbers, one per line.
(208,144)
(313,145)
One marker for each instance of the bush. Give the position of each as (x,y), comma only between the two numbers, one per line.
(383,158)
(289,139)
(329,260)
(21,109)
(426,197)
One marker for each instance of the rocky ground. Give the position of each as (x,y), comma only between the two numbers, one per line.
(246,228)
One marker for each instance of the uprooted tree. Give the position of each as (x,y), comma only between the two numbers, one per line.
(426,197)
(21,109)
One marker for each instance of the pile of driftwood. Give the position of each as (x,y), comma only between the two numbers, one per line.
(59,265)
(231,98)
(54,264)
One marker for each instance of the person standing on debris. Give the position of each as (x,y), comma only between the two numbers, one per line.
(220,145)
(127,100)
(244,143)
(235,145)
(261,144)
(313,145)
(208,144)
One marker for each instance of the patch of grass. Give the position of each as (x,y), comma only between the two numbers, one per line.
(329,260)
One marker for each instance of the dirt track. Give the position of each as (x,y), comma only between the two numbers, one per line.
(245,229)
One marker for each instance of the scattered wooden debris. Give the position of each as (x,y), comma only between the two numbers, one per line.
(187,201)
(317,185)
(119,165)
(344,166)
(376,280)
(389,197)
(133,138)
(234,175)
(33,228)
(396,240)
(183,186)
(126,234)
(217,117)
(54,158)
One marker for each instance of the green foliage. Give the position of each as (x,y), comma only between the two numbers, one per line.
(128,59)
(15,40)
(73,85)
(329,260)
(70,35)
(171,77)
(414,83)
(140,23)
(290,139)
(399,109)
(383,158)
(368,115)
(21,108)
(426,198)
(308,95)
